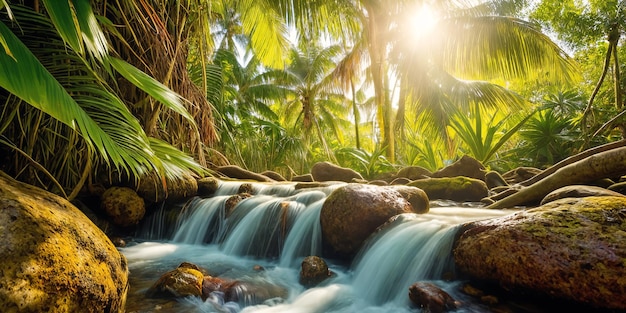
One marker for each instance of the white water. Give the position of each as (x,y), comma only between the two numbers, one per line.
(276,229)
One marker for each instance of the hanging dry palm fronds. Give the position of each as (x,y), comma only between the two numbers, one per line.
(153,36)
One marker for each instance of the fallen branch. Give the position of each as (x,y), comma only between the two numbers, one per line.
(597,166)
(585,154)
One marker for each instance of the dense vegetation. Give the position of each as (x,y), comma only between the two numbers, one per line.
(93,89)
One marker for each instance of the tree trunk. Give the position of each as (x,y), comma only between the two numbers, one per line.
(598,166)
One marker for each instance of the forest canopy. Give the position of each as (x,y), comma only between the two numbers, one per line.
(121,88)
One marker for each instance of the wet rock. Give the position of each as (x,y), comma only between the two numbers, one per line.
(185,280)
(413,173)
(430,298)
(466,166)
(273,175)
(246,293)
(453,188)
(118,242)
(232,202)
(53,258)
(520,174)
(578,191)
(305,178)
(207,186)
(571,249)
(326,171)
(123,205)
(212,284)
(246,188)
(354,211)
(234,171)
(417,198)
(313,271)
(151,188)
(618,187)
(493,179)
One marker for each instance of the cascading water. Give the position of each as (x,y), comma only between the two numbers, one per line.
(275,229)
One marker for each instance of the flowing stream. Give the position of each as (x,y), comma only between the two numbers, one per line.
(264,239)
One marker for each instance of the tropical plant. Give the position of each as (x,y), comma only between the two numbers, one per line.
(59,63)
(314,103)
(546,139)
(471,43)
(368,164)
(583,25)
(483,138)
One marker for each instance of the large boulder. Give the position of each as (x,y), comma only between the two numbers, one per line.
(53,258)
(465,166)
(354,211)
(452,188)
(572,249)
(326,171)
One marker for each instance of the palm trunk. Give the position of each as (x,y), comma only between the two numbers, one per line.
(355,112)
(376,50)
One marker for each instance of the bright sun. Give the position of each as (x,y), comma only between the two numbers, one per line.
(423,21)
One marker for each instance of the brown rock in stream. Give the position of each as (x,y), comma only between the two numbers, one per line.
(430,298)
(352,212)
(571,249)
(326,171)
(123,205)
(313,271)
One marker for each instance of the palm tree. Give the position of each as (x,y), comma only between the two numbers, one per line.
(473,44)
(59,77)
(314,103)
(583,25)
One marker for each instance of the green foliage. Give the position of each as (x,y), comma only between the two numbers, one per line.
(86,123)
(368,164)
(546,139)
(483,138)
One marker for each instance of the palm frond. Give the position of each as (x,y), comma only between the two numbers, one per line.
(500,47)
(151,86)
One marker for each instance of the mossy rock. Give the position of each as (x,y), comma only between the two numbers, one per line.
(53,258)
(123,206)
(572,249)
(458,188)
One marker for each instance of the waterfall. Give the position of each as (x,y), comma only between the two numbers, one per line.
(202,223)
(413,249)
(277,227)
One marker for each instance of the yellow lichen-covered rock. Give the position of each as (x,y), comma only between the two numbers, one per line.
(123,205)
(185,280)
(53,258)
(572,249)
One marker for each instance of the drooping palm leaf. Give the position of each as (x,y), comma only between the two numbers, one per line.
(498,46)
(152,87)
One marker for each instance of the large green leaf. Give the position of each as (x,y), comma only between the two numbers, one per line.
(63,17)
(152,87)
(25,77)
